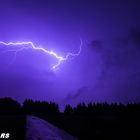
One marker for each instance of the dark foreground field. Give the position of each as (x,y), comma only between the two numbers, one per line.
(99,127)
(13,124)
(83,127)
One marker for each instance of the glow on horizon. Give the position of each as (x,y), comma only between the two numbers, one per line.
(31,45)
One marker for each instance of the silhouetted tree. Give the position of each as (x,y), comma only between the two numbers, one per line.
(68,110)
(40,108)
(9,106)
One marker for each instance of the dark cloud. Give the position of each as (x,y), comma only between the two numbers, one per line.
(135,37)
(120,51)
(97,45)
(79,93)
(120,61)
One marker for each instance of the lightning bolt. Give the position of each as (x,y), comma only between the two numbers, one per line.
(27,45)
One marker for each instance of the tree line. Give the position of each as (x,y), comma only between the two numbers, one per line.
(9,106)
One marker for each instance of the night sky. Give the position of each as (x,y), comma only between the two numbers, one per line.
(108,68)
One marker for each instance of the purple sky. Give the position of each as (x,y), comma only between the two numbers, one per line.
(108,68)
